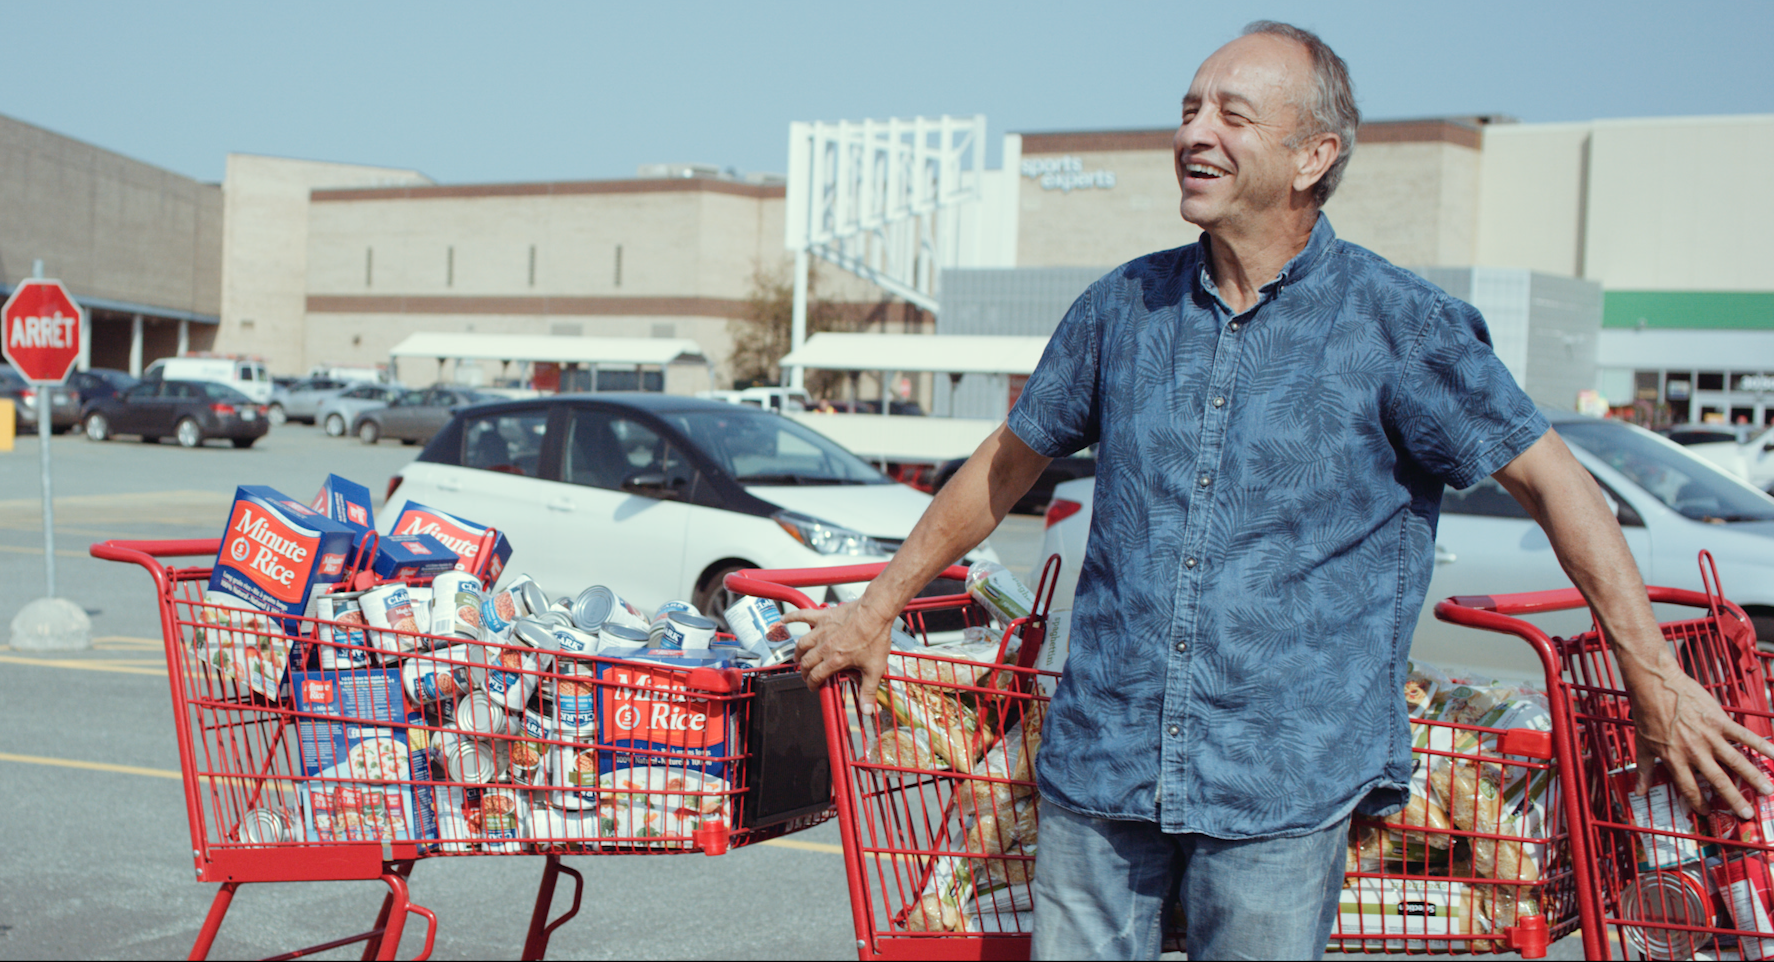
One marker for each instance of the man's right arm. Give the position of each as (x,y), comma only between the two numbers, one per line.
(965,511)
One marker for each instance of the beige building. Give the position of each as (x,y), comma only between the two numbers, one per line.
(139,247)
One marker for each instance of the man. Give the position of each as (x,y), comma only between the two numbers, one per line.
(1277,413)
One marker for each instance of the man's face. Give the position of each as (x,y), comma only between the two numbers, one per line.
(1231,158)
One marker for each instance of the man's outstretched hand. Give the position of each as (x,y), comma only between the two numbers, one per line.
(1681,723)
(844,637)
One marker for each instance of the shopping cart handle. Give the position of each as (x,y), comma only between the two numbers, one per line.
(1466,609)
(779,584)
(144,553)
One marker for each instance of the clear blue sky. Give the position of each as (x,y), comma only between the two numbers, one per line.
(533,91)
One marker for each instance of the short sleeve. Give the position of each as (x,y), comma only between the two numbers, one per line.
(1057,412)
(1458,411)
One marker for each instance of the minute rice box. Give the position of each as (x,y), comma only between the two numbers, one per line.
(363,758)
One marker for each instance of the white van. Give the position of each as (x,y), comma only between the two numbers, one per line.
(355,375)
(782,400)
(246,376)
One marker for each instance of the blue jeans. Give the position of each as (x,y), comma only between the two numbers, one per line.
(1101,887)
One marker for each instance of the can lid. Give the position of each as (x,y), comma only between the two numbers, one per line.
(625,634)
(560,617)
(693,621)
(534,600)
(1668,897)
(536,634)
(593,606)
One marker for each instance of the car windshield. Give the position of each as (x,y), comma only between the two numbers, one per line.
(1683,482)
(759,448)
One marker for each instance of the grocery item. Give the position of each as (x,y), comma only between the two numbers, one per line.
(653,707)
(686,632)
(340,637)
(348,503)
(1475,804)
(359,771)
(480,551)
(411,556)
(1001,593)
(1661,809)
(757,623)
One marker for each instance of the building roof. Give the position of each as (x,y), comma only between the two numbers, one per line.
(939,353)
(1463,131)
(546,347)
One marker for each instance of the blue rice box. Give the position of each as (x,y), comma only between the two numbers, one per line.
(412,556)
(346,502)
(359,762)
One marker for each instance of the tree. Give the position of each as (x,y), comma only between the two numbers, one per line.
(762,335)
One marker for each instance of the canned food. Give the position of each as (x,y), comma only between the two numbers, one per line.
(574,707)
(561,617)
(265,826)
(657,627)
(508,604)
(687,632)
(757,623)
(571,778)
(467,759)
(598,606)
(535,602)
(389,607)
(524,761)
(429,679)
(618,636)
(504,818)
(334,638)
(781,653)
(510,676)
(563,830)
(1666,898)
(574,642)
(535,633)
(479,713)
(421,598)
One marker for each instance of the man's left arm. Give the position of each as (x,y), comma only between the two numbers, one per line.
(1677,720)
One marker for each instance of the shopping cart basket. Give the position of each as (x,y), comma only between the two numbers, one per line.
(939,823)
(379,748)
(1655,880)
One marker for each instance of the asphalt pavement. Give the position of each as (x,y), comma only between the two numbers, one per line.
(95,842)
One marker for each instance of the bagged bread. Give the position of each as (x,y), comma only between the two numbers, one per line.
(907,748)
(1013,758)
(1476,804)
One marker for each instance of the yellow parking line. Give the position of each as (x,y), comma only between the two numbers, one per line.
(122,669)
(60,552)
(806,846)
(91,766)
(127,640)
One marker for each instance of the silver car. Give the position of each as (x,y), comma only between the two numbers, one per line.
(337,415)
(301,401)
(1670,505)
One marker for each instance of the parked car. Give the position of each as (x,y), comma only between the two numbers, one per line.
(414,417)
(1733,448)
(191,411)
(782,400)
(337,414)
(245,375)
(1670,505)
(1081,465)
(301,401)
(64,403)
(100,382)
(659,496)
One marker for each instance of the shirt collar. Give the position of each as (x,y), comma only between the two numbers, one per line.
(1292,272)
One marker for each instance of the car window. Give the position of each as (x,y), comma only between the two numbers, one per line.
(604,449)
(222,392)
(410,399)
(1685,483)
(758,448)
(179,389)
(511,442)
(1486,499)
(142,392)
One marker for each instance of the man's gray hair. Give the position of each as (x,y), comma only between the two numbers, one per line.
(1330,107)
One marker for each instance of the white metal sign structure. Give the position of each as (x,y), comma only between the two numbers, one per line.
(882,199)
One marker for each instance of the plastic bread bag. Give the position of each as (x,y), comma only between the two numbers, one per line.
(1478,802)
(953,725)
(1395,909)
(1002,594)
(1013,758)
(1421,812)
(1421,686)
(906,748)
(1369,847)
(1000,906)
(939,906)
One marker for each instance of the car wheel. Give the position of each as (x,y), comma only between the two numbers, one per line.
(276,415)
(188,433)
(368,432)
(97,428)
(243,442)
(335,426)
(712,597)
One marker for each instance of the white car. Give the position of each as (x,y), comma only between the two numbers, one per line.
(1670,504)
(657,496)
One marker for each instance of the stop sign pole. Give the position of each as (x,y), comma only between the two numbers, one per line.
(40,334)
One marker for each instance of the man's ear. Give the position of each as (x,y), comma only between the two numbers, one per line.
(1316,160)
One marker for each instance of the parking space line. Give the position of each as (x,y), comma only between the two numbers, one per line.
(125,668)
(90,766)
(60,552)
(805,846)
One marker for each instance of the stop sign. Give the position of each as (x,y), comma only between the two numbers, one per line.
(40,331)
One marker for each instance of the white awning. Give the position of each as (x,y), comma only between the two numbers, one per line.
(939,353)
(545,347)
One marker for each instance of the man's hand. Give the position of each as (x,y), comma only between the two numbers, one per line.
(1680,722)
(1677,720)
(843,637)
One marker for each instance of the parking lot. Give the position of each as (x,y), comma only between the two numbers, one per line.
(96,839)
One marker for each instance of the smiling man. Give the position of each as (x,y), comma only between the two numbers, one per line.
(1277,413)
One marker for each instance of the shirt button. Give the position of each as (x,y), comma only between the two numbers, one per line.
(1174,730)
(1219,402)
(1234,325)
(1189,562)
(1205,480)
(1182,646)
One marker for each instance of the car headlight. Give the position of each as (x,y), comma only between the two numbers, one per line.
(825,537)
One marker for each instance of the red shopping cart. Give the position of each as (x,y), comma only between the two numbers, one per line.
(378,748)
(940,827)
(1655,880)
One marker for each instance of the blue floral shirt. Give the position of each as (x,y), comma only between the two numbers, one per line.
(1267,491)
